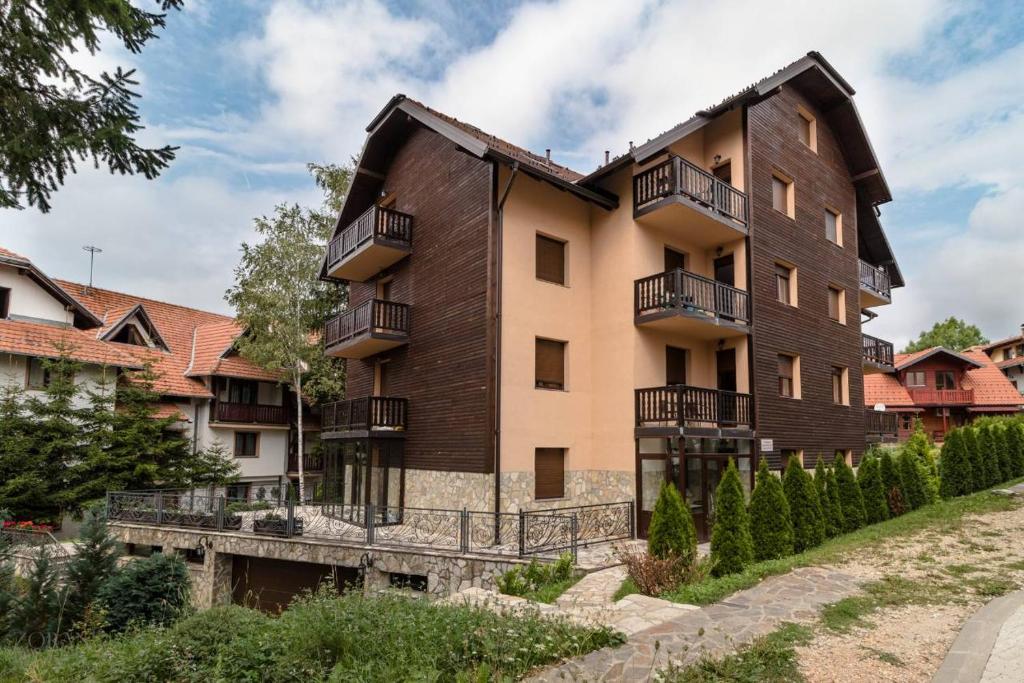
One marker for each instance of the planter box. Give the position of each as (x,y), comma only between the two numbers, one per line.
(276,527)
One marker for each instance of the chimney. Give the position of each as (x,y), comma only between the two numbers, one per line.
(606,154)
(630,145)
(547,154)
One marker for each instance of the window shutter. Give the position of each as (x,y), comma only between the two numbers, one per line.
(833,304)
(550,260)
(782,275)
(831,221)
(550,371)
(549,471)
(779,195)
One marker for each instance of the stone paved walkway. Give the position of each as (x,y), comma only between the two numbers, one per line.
(687,634)
(989,646)
(596,589)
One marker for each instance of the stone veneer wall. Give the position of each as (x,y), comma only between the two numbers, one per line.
(449,490)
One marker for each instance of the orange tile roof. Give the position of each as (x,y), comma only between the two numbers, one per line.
(46,341)
(885,389)
(212,342)
(7,253)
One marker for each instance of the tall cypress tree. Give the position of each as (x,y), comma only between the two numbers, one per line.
(834,504)
(913,484)
(1000,441)
(955,476)
(672,532)
(833,522)
(804,507)
(732,549)
(1015,446)
(979,470)
(771,527)
(989,454)
(849,495)
(869,478)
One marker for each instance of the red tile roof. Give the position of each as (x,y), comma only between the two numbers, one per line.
(46,341)
(212,342)
(7,253)
(885,389)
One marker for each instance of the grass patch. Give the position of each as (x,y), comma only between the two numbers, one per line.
(628,587)
(844,615)
(962,569)
(991,587)
(1016,565)
(770,659)
(887,657)
(549,592)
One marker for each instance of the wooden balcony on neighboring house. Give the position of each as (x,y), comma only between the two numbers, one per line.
(875,286)
(678,407)
(249,413)
(880,426)
(941,397)
(367,329)
(377,239)
(877,354)
(681,301)
(369,416)
(677,195)
(311,463)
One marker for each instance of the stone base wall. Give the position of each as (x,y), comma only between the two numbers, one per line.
(449,490)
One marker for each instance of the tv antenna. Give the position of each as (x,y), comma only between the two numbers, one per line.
(93,250)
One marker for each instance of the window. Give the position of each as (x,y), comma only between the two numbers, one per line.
(675,365)
(550,260)
(833,226)
(237,492)
(549,471)
(785,284)
(246,444)
(906,422)
(806,130)
(242,391)
(915,379)
(840,386)
(944,379)
(782,194)
(788,453)
(5,302)
(412,582)
(39,376)
(674,259)
(129,334)
(550,364)
(723,172)
(837,304)
(789,376)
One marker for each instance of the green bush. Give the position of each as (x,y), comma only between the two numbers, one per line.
(920,448)
(1001,442)
(671,531)
(1015,446)
(536,577)
(913,483)
(731,546)
(892,484)
(94,562)
(830,516)
(955,476)
(979,470)
(771,527)
(989,454)
(835,505)
(804,507)
(152,590)
(239,506)
(869,478)
(850,499)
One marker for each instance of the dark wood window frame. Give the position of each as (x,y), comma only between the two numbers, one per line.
(549,473)
(784,283)
(915,378)
(787,375)
(5,302)
(245,437)
(945,380)
(835,303)
(551,258)
(549,364)
(833,228)
(838,386)
(44,373)
(675,365)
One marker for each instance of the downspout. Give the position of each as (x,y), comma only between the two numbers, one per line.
(497,329)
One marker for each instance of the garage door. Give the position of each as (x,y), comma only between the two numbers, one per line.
(270,585)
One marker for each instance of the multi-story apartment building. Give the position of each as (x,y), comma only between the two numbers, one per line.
(218,396)
(522,335)
(1008,355)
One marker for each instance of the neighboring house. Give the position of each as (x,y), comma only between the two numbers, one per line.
(521,335)
(943,389)
(1008,355)
(218,396)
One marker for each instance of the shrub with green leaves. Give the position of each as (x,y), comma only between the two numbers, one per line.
(891,483)
(989,454)
(955,476)
(94,562)
(850,499)
(869,478)
(536,576)
(835,505)
(35,618)
(913,482)
(152,590)
(771,527)
(920,448)
(831,516)
(804,507)
(731,546)
(979,469)
(1015,446)
(671,531)
(1001,442)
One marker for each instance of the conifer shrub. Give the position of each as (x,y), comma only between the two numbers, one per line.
(771,527)
(989,454)
(921,449)
(35,615)
(835,506)
(869,478)
(955,476)
(672,532)
(1002,446)
(913,483)
(93,563)
(1015,446)
(833,522)
(153,590)
(804,507)
(979,471)
(850,499)
(731,546)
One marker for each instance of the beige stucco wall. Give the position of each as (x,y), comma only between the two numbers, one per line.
(29,300)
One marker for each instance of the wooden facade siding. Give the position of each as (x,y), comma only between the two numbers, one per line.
(443,370)
(813,423)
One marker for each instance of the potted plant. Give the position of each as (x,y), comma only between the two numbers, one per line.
(274,524)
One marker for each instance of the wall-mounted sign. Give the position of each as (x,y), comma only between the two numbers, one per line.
(767,445)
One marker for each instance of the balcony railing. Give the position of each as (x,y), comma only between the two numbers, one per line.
(311,462)
(679,404)
(678,177)
(876,350)
(684,292)
(875,280)
(250,413)
(376,223)
(373,317)
(369,413)
(878,423)
(942,397)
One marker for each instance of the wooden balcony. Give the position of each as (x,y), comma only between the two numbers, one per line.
(367,329)
(372,415)
(877,354)
(248,413)
(680,301)
(677,195)
(875,287)
(311,463)
(682,406)
(941,397)
(377,239)
(880,427)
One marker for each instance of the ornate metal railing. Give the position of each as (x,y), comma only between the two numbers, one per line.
(680,290)
(375,222)
(678,177)
(678,405)
(250,413)
(876,350)
(523,533)
(375,316)
(875,279)
(371,412)
(881,423)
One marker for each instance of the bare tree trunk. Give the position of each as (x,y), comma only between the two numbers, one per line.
(298,403)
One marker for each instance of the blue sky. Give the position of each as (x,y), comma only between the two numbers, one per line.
(251,91)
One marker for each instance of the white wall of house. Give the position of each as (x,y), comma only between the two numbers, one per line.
(29,300)
(272,458)
(14,372)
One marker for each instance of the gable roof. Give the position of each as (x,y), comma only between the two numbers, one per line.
(84,318)
(906,360)
(118,318)
(1004,342)
(43,340)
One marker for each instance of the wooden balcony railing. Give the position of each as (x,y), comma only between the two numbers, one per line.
(250,413)
(679,404)
(682,291)
(942,397)
(371,412)
(678,177)
(311,462)
(375,316)
(876,350)
(879,423)
(875,279)
(377,222)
